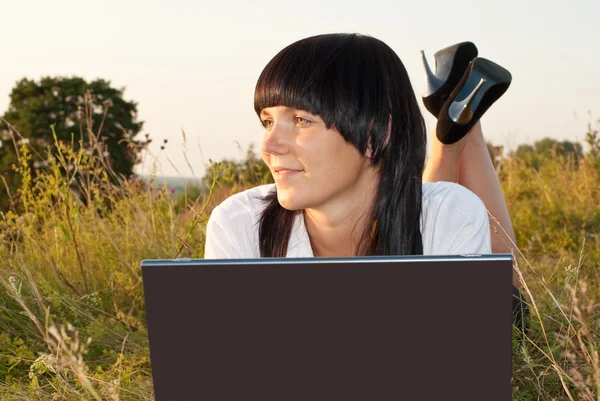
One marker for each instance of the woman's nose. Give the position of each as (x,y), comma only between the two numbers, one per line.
(274,141)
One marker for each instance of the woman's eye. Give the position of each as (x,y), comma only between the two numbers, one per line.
(302,122)
(267,123)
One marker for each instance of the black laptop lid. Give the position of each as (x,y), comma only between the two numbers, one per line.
(402,328)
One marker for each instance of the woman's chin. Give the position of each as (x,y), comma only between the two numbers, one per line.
(288,200)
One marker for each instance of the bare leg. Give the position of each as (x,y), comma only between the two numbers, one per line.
(467,162)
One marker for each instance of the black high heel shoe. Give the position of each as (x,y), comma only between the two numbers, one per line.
(482,84)
(450,66)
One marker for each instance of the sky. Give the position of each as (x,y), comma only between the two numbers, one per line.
(192,65)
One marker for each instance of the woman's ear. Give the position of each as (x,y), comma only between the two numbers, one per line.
(369,152)
(388,133)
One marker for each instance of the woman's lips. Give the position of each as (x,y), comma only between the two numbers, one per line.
(284,174)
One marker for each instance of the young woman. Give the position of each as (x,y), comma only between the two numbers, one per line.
(346,144)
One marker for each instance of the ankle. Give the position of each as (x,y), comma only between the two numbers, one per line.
(474,140)
(449,153)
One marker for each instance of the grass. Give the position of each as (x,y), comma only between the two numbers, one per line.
(72,322)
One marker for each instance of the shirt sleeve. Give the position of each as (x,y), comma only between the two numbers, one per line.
(220,241)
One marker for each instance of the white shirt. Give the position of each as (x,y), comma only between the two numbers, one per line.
(454,221)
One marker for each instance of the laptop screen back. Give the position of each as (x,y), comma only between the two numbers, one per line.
(414,328)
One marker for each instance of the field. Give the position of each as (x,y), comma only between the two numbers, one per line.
(72,323)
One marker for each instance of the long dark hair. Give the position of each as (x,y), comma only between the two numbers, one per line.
(355,83)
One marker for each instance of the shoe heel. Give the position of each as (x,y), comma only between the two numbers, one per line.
(450,65)
(483,83)
(462,112)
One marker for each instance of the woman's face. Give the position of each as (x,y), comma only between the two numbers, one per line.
(313,167)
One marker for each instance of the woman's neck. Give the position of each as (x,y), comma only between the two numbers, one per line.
(337,229)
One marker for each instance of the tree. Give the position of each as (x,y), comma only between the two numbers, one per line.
(546,148)
(92,115)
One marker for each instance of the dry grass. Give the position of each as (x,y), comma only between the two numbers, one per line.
(72,322)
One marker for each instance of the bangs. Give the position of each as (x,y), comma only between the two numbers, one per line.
(355,83)
(303,76)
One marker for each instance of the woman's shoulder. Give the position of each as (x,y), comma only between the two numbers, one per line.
(455,220)
(231,230)
(249,202)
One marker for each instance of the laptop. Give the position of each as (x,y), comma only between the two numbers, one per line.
(367,328)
